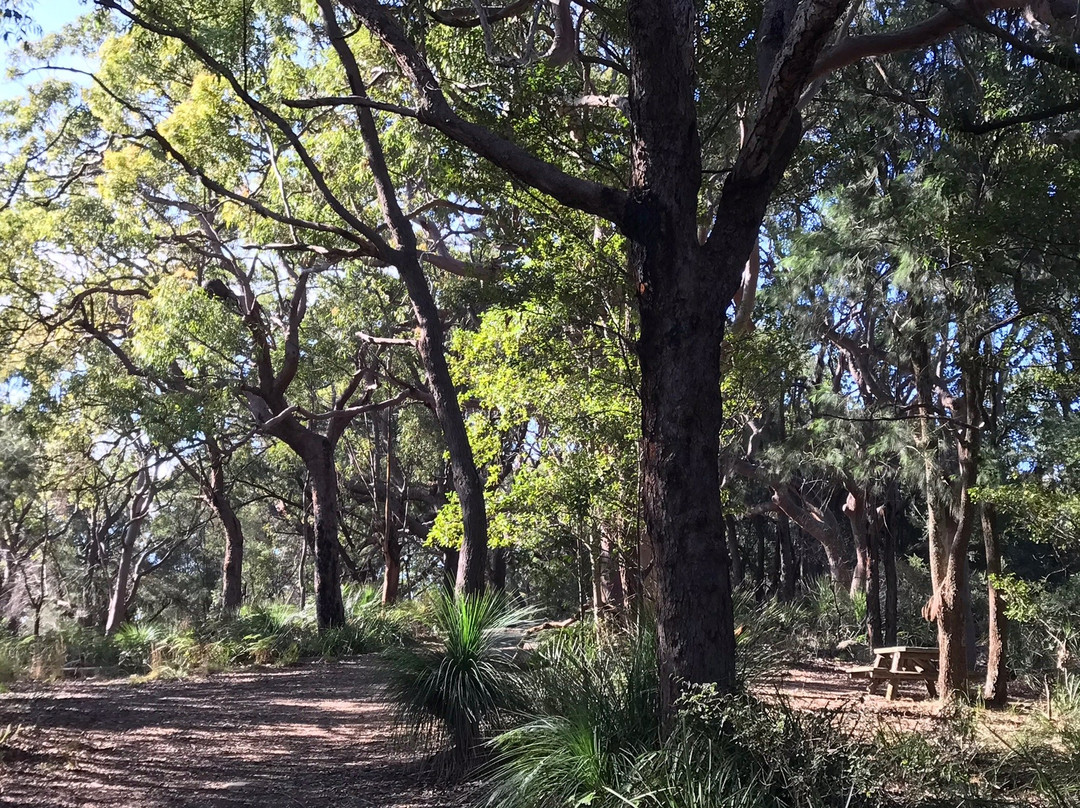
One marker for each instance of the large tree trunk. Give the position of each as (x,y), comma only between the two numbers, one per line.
(682,300)
(680,374)
(995,691)
(954,598)
(140,509)
(319,460)
(855,510)
(952,654)
(232,593)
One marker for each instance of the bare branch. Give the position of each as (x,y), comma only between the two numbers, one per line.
(934,29)
(348,101)
(384,340)
(434,110)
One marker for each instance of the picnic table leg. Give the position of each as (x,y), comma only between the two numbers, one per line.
(931,680)
(890,691)
(875,684)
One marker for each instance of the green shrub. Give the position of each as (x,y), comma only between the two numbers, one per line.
(596,707)
(135,645)
(769,635)
(464,684)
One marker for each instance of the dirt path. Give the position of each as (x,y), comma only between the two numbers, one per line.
(316,736)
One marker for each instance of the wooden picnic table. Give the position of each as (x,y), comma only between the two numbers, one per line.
(896,663)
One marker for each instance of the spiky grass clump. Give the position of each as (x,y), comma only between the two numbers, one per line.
(466,682)
(596,701)
(136,644)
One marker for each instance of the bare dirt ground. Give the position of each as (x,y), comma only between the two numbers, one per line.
(318,735)
(824,685)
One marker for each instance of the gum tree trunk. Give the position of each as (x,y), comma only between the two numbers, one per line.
(995,690)
(319,460)
(140,509)
(855,510)
(233,562)
(955,591)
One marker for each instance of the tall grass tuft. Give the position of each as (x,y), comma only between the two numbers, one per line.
(596,707)
(464,683)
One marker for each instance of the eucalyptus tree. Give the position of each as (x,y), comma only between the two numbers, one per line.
(213,109)
(685,280)
(24,515)
(688,247)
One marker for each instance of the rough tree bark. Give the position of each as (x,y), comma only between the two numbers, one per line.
(233,562)
(318,457)
(954,600)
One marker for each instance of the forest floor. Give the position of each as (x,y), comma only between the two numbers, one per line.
(318,735)
(824,686)
(315,735)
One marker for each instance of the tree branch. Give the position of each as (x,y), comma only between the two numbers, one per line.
(435,111)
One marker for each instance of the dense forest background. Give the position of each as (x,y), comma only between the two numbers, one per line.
(300,298)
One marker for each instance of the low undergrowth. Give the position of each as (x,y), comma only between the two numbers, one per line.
(271,634)
(586,732)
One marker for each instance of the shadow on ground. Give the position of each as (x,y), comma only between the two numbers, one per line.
(314,736)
